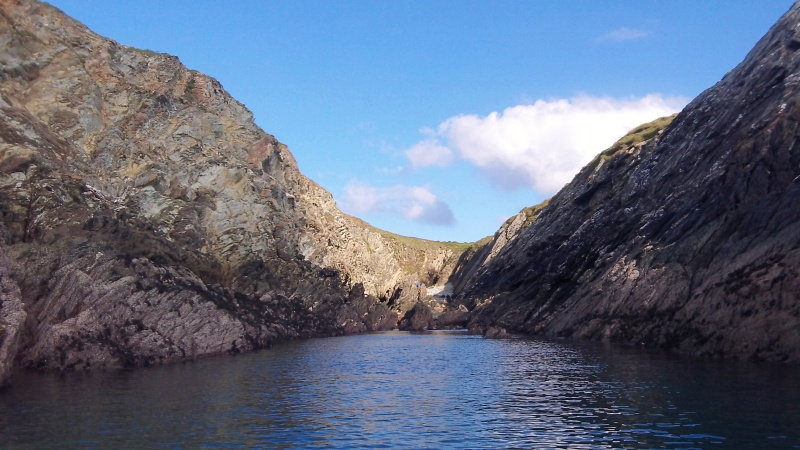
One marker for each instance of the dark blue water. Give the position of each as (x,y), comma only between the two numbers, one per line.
(402,390)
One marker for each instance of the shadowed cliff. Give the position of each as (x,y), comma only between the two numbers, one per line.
(688,240)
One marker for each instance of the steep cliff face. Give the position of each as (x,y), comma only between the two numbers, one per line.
(12,316)
(689,242)
(148,219)
(480,254)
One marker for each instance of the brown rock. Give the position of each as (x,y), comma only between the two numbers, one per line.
(152,221)
(496,333)
(12,318)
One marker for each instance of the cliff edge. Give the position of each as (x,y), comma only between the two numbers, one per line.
(689,240)
(145,218)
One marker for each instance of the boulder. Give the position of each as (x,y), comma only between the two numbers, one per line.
(453,318)
(418,318)
(496,333)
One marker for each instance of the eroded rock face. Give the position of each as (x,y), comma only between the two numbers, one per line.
(151,220)
(480,254)
(453,318)
(12,317)
(418,318)
(688,242)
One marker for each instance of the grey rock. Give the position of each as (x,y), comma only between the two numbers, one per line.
(453,318)
(418,318)
(12,317)
(686,239)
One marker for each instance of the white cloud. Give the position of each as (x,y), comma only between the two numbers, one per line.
(429,153)
(543,145)
(623,34)
(412,202)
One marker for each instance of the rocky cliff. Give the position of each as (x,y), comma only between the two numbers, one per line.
(688,240)
(146,218)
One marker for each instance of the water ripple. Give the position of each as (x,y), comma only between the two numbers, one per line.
(403,390)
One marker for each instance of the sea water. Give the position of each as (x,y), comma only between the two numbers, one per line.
(434,389)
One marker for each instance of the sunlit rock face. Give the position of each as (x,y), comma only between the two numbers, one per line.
(147,219)
(687,239)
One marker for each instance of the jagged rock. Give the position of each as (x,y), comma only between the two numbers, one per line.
(453,318)
(483,252)
(12,317)
(365,312)
(405,296)
(153,221)
(418,318)
(496,333)
(685,239)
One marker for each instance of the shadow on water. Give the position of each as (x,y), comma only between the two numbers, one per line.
(397,389)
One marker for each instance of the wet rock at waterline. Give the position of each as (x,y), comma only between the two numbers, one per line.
(453,318)
(12,316)
(418,318)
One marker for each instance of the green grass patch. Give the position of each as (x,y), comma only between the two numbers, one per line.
(532,212)
(641,134)
(188,91)
(423,244)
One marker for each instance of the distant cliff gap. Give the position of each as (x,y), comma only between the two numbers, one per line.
(686,239)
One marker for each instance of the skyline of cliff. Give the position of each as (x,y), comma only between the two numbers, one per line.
(390,107)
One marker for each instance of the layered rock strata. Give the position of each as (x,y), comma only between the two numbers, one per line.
(689,241)
(12,316)
(147,219)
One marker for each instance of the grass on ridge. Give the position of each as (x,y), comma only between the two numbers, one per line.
(640,134)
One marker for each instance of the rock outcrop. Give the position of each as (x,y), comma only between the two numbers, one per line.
(418,318)
(145,218)
(481,253)
(12,316)
(453,318)
(689,240)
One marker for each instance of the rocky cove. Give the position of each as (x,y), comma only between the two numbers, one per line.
(146,219)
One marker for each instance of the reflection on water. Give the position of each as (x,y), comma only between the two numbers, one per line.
(397,389)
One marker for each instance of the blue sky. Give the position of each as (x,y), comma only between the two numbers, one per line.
(440,119)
